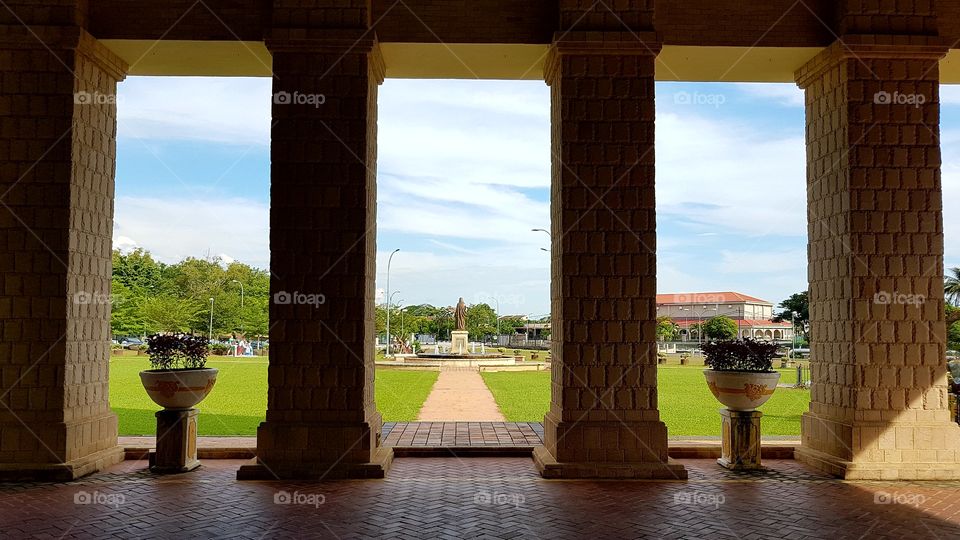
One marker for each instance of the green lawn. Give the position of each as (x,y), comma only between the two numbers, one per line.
(237,404)
(685,402)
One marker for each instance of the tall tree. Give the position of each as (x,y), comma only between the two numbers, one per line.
(951,286)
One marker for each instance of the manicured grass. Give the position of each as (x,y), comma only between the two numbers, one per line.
(238,402)
(686,404)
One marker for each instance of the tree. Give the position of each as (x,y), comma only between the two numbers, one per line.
(720,327)
(666,329)
(953,337)
(481,321)
(125,318)
(167,313)
(951,286)
(799,305)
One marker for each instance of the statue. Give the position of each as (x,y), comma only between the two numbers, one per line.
(460,315)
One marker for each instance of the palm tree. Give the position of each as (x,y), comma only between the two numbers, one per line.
(951,286)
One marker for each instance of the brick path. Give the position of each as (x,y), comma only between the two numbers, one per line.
(460,395)
(479,497)
(463,434)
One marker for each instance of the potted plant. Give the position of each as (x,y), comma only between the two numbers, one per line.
(684,358)
(741,374)
(179,378)
(661,358)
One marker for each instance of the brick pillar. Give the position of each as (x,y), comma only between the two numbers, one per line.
(322,421)
(603,419)
(57,164)
(878,402)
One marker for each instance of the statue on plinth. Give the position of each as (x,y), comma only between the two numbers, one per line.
(459,340)
(460,315)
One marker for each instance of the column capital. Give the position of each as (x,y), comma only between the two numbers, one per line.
(864,47)
(590,43)
(64,38)
(341,42)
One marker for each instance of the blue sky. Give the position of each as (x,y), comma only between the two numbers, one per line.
(463,177)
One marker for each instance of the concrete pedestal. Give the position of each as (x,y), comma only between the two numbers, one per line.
(176,442)
(459,344)
(740,440)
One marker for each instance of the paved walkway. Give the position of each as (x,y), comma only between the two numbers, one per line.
(479,498)
(463,434)
(460,395)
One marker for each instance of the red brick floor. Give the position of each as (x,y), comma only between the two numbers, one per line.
(462,434)
(479,497)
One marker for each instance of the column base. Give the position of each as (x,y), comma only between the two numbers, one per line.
(549,467)
(892,450)
(852,470)
(61,472)
(380,462)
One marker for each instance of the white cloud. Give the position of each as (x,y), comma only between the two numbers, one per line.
(173,229)
(226,110)
(789,95)
(730,177)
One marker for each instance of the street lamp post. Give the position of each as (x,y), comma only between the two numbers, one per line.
(210,334)
(241,303)
(699,315)
(546,232)
(389,261)
(793,332)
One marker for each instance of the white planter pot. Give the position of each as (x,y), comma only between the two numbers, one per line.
(741,390)
(178,389)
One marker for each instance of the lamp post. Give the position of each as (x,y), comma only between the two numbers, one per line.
(241,302)
(210,334)
(389,261)
(546,232)
(793,331)
(699,315)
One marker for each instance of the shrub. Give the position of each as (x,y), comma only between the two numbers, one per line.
(740,355)
(219,349)
(177,351)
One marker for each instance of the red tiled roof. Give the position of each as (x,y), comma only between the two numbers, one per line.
(763,323)
(707,298)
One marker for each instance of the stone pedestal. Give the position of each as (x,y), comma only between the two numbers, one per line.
(176,442)
(740,440)
(459,344)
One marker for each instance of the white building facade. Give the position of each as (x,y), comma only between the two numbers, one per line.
(754,317)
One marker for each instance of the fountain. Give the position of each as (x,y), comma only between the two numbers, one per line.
(460,353)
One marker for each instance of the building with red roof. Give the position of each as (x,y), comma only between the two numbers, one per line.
(754,316)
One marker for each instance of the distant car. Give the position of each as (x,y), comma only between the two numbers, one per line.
(130,342)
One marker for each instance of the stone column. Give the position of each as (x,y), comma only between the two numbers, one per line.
(879,406)
(603,419)
(321,418)
(57,165)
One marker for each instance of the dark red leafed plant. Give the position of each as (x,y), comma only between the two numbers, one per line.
(177,351)
(740,355)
